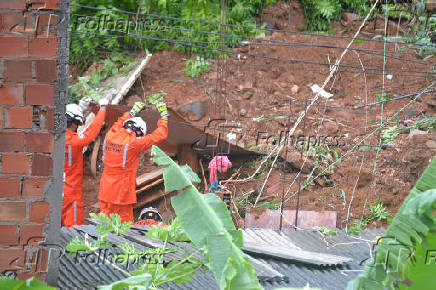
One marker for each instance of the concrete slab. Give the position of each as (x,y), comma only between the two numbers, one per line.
(270,219)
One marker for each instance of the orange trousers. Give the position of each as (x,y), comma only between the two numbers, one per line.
(72,212)
(124,211)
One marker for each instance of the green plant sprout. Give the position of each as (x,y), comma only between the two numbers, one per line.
(194,68)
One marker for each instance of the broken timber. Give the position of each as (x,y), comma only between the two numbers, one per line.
(148,186)
(148,177)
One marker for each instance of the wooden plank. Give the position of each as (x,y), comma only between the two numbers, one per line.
(149,177)
(150,198)
(129,83)
(294,254)
(94,156)
(148,186)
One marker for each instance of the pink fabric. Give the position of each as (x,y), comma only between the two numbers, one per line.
(220,163)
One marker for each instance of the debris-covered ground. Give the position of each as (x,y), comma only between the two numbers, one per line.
(266,91)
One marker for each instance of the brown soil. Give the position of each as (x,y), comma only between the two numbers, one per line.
(262,86)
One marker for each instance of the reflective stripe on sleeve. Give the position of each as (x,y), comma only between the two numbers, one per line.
(125,155)
(70,156)
(104,146)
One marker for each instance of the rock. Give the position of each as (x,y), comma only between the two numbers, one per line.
(242,112)
(411,113)
(195,110)
(415,132)
(296,160)
(261,36)
(245,85)
(294,89)
(350,16)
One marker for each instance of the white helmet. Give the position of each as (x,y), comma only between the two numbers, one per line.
(74,114)
(150,213)
(136,124)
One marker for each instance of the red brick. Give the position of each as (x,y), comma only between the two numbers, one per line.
(23,276)
(12,259)
(39,212)
(11,141)
(15,22)
(47,22)
(34,187)
(42,165)
(31,234)
(13,4)
(40,94)
(12,211)
(46,71)
(42,46)
(20,117)
(47,119)
(39,142)
(43,261)
(12,94)
(9,187)
(17,70)
(8,235)
(39,261)
(46,4)
(13,46)
(15,163)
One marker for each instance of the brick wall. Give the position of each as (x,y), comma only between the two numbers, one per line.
(33,79)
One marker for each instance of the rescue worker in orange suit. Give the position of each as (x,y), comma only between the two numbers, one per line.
(72,205)
(123,144)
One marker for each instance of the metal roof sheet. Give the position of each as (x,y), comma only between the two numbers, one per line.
(273,272)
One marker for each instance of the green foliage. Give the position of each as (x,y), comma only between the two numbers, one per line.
(31,283)
(110,224)
(208,224)
(139,282)
(157,98)
(194,68)
(88,244)
(389,134)
(400,255)
(325,230)
(319,13)
(176,271)
(378,211)
(186,26)
(357,227)
(173,232)
(89,86)
(269,205)
(321,155)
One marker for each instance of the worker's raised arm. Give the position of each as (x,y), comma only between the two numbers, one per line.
(154,138)
(92,131)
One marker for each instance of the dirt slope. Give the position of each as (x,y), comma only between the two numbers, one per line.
(263,78)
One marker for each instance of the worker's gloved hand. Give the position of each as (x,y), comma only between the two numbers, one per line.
(162,109)
(85,104)
(137,108)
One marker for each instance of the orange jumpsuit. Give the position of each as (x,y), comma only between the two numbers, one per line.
(72,205)
(121,152)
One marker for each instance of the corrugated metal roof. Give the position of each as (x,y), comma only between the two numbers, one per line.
(272,272)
